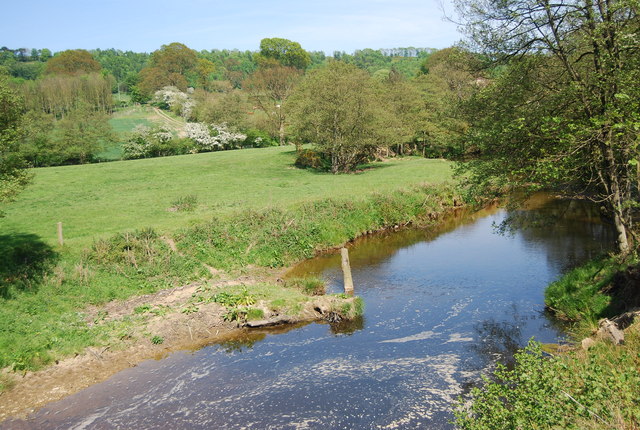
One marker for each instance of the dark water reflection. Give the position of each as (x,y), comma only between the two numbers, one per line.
(441,307)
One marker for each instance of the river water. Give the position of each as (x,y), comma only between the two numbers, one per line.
(442,306)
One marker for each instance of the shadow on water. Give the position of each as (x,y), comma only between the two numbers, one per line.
(561,225)
(377,248)
(24,261)
(347,327)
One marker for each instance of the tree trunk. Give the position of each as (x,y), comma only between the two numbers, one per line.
(281,132)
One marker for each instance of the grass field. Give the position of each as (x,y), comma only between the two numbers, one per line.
(102,199)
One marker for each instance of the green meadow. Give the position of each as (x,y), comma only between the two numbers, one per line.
(102,199)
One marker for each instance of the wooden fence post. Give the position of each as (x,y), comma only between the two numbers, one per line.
(346,270)
(60,236)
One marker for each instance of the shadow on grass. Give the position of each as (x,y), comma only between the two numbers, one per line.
(24,261)
(624,291)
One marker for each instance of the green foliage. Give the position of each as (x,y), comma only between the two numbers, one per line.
(254,314)
(122,65)
(142,255)
(341,109)
(157,141)
(312,159)
(283,52)
(275,237)
(579,295)
(229,299)
(59,94)
(157,340)
(571,392)
(13,176)
(79,136)
(270,88)
(258,139)
(190,309)
(563,112)
(171,65)
(72,62)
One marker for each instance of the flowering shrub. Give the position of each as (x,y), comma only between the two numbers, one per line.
(174,99)
(213,137)
(152,142)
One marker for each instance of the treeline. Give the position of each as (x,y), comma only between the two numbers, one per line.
(411,94)
(230,64)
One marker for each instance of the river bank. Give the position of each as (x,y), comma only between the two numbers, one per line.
(593,383)
(245,251)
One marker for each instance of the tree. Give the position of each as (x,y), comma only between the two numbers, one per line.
(342,109)
(270,88)
(168,66)
(449,78)
(72,62)
(81,135)
(565,112)
(13,176)
(284,52)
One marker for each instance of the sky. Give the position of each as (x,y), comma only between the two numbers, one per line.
(143,25)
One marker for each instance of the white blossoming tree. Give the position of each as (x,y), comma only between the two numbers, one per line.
(179,102)
(213,137)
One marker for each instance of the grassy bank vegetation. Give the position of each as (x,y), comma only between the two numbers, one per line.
(589,293)
(598,388)
(45,289)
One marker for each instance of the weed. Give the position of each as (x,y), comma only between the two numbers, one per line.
(185,203)
(157,340)
(234,314)
(231,300)
(160,310)
(142,309)
(6,382)
(311,286)
(254,314)
(190,309)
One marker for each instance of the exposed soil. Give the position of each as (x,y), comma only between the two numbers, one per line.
(179,330)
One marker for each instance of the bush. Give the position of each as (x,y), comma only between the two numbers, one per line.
(312,159)
(570,392)
(258,139)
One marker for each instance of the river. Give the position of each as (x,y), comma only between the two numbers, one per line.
(441,307)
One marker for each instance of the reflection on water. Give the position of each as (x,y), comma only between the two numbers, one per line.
(441,307)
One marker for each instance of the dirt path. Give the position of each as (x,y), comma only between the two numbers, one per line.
(173,123)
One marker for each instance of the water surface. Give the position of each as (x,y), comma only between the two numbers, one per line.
(442,305)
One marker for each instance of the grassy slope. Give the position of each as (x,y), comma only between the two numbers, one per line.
(102,199)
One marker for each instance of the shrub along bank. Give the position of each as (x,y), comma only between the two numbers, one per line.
(596,388)
(43,305)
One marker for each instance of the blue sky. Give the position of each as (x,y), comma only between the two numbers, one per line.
(143,26)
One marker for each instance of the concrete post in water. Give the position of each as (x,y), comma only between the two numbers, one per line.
(60,236)
(346,270)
